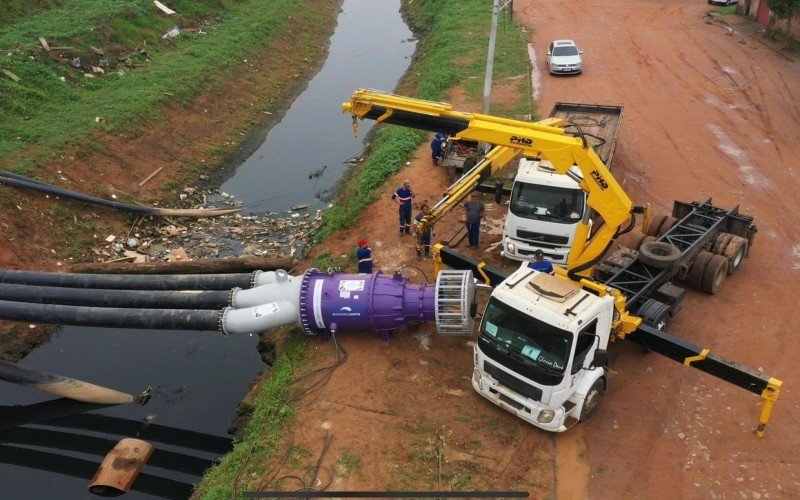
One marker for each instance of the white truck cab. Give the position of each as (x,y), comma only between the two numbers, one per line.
(543,213)
(541,349)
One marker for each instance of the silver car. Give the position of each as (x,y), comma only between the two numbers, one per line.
(563,57)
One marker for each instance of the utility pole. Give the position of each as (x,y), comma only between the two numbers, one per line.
(487,82)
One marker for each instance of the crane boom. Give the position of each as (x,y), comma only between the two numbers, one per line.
(545,139)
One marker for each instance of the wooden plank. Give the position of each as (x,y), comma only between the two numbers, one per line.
(159,169)
(234,265)
(44,44)
(166,10)
(11,75)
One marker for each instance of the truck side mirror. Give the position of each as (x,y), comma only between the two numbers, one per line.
(600,359)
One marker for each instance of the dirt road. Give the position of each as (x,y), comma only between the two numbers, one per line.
(706,114)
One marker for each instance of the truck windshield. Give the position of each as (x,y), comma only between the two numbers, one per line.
(532,341)
(553,204)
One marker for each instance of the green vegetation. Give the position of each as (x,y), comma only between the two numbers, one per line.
(54,104)
(451,51)
(348,464)
(325,261)
(725,11)
(271,415)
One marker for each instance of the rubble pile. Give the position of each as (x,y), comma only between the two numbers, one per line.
(158,239)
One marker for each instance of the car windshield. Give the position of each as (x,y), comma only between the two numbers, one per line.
(548,203)
(532,341)
(565,50)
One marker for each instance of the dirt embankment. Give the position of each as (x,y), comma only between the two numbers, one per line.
(189,141)
(706,114)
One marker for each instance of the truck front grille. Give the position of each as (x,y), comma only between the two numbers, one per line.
(513,383)
(531,236)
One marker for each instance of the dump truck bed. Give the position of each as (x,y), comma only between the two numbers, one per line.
(596,120)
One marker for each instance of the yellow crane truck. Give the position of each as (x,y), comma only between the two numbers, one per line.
(542,342)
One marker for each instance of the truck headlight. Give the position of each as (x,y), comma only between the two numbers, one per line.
(546,416)
(512,248)
(478,379)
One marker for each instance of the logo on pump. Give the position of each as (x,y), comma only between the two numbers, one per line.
(346,311)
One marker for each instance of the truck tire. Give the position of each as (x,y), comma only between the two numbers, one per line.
(644,239)
(695,275)
(714,274)
(592,400)
(721,242)
(655,314)
(659,254)
(666,226)
(735,252)
(655,225)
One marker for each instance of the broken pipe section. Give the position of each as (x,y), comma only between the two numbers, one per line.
(120,467)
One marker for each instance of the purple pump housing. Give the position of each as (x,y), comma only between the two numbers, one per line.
(377,302)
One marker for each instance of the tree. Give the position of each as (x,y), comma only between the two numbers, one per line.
(785,9)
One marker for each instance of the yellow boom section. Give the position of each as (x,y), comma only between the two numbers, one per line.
(544,140)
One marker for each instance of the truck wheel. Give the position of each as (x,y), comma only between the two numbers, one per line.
(735,252)
(655,225)
(714,274)
(659,254)
(666,226)
(592,400)
(721,243)
(695,276)
(644,239)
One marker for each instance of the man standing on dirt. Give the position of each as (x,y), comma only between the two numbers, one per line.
(364,255)
(474,215)
(403,197)
(423,237)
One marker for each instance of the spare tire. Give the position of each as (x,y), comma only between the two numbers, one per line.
(695,275)
(659,254)
(644,239)
(714,274)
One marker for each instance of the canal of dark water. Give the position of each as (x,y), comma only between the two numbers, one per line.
(51,448)
(371,48)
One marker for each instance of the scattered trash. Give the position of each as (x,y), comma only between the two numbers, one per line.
(166,10)
(316,174)
(132,242)
(173,33)
(96,51)
(299,207)
(99,119)
(76,62)
(98,70)
(111,238)
(44,43)
(11,75)
(88,75)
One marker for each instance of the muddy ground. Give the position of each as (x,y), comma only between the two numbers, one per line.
(707,113)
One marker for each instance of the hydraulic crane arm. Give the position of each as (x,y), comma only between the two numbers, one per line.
(494,160)
(542,139)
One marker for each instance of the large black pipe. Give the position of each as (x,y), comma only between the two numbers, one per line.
(148,299)
(164,319)
(19,181)
(130,281)
(62,386)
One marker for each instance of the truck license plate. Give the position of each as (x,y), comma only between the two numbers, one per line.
(508,409)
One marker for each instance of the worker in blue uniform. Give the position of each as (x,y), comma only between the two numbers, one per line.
(437,147)
(364,256)
(539,264)
(403,197)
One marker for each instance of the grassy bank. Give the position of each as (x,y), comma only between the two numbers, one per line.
(451,52)
(272,411)
(49,103)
